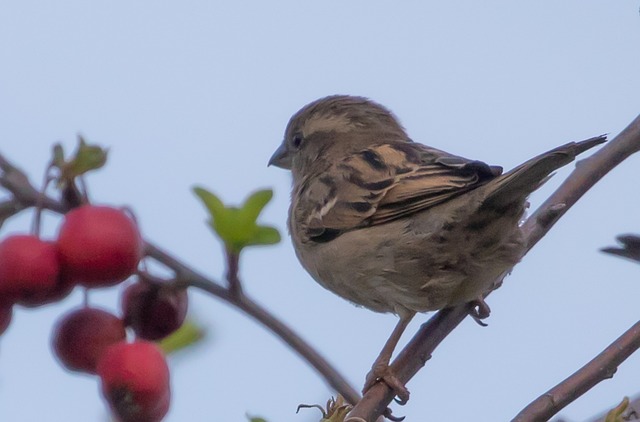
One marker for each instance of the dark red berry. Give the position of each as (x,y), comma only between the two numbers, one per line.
(82,335)
(154,311)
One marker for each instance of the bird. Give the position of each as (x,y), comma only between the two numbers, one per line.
(397,226)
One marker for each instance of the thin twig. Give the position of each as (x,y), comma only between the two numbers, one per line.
(25,195)
(430,334)
(233,261)
(16,182)
(189,277)
(37,218)
(598,369)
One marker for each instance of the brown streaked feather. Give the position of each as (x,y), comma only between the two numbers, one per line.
(385,182)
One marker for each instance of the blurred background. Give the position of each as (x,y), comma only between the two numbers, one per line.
(199,92)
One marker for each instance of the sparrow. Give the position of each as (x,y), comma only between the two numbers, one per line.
(397,226)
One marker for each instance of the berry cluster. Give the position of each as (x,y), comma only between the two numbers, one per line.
(98,246)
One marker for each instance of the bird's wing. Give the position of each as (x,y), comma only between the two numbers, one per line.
(386,182)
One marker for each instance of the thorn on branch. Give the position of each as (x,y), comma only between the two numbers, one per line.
(548,216)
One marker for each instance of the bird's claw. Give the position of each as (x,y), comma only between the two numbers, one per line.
(388,415)
(479,311)
(385,374)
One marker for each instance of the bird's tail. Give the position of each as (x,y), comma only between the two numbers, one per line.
(518,183)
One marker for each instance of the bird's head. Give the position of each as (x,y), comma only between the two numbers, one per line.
(334,126)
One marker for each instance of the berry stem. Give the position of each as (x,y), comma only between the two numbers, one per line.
(37,217)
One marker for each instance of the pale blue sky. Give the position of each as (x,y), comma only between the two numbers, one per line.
(199,92)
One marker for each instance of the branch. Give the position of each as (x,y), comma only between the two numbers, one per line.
(8,209)
(25,196)
(430,334)
(237,298)
(16,182)
(598,369)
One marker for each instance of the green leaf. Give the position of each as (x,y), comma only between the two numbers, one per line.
(187,335)
(616,414)
(213,204)
(255,419)
(254,204)
(266,235)
(87,158)
(237,227)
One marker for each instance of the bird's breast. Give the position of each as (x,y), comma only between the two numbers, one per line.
(430,261)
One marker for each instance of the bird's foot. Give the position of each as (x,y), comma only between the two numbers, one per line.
(479,311)
(388,414)
(383,372)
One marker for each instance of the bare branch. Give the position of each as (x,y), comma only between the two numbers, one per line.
(233,262)
(16,182)
(8,209)
(189,277)
(586,174)
(598,369)
(430,334)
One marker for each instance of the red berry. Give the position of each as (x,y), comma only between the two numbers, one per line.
(6,312)
(61,290)
(98,246)
(29,268)
(135,381)
(82,335)
(154,311)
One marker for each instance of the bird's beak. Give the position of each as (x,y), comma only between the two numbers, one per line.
(281,158)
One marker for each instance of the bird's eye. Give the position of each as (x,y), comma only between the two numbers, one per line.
(296,141)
